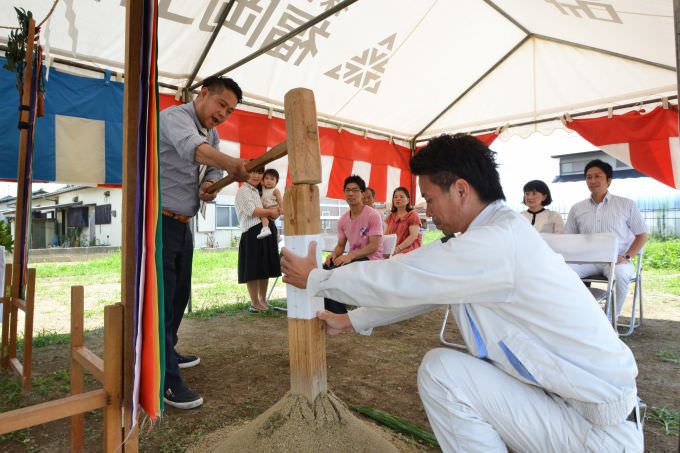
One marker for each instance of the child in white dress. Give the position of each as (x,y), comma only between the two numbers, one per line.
(271,198)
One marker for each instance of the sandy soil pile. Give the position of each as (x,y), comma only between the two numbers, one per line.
(293,425)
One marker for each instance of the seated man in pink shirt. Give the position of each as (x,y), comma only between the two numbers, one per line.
(362,227)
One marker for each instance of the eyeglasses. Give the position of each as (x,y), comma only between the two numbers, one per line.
(348,191)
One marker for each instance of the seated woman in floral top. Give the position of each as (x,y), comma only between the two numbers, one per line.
(404,222)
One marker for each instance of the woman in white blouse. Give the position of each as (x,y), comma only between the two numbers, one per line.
(258,259)
(536,198)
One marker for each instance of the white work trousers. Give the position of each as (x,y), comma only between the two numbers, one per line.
(475,407)
(622,275)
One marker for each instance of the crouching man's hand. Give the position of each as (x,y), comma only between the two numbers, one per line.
(336,323)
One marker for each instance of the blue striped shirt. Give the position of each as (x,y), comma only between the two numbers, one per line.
(180,134)
(614,214)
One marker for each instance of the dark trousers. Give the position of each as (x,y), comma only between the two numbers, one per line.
(333,305)
(178,252)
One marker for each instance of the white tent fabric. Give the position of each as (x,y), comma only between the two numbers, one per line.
(394,65)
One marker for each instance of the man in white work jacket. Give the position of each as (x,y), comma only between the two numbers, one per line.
(545,373)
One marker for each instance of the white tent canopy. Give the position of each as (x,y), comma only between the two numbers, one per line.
(395,66)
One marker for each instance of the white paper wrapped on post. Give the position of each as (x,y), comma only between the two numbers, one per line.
(301,305)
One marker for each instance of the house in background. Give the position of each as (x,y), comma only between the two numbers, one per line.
(75,216)
(82,216)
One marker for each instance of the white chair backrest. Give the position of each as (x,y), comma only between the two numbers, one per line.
(389,244)
(584,248)
(328,242)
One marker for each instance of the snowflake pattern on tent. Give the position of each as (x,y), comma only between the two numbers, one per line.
(365,70)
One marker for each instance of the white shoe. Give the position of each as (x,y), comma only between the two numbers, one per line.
(264,233)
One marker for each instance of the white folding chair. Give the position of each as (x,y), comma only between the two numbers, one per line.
(389,244)
(281,244)
(636,280)
(597,248)
(442,332)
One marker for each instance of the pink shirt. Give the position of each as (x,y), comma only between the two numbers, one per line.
(357,230)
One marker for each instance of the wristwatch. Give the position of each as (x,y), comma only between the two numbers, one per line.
(627,257)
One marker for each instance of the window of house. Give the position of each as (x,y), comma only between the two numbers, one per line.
(225,216)
(102,214)
(77,217)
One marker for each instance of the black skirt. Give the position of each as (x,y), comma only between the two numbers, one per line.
(258,258)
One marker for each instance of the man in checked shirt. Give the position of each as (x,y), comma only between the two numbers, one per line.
(190,163)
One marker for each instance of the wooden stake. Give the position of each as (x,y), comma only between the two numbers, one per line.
(131,114)
(28,330)
(77,374)
(302,135)
(306,337)
(4,339)
(113,361)
(302,212)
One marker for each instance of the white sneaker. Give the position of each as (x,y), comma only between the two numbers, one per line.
(264,233)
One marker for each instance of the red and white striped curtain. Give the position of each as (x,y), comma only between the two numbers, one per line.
(383,165)
(647,141)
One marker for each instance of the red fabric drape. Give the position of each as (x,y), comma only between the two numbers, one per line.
(648,141)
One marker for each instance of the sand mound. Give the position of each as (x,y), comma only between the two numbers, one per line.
(293,425)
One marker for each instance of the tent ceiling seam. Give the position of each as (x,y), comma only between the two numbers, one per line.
(572,115)
(392,55)
(474,84)
(511,19)
(213,36)
(604,51)
(329,12)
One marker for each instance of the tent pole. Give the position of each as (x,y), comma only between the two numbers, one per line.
(676,21)
(604,51)
(573,115)
(474,84)
(208,46)
(281,40)
(131,114)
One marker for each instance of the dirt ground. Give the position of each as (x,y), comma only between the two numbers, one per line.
(244,371)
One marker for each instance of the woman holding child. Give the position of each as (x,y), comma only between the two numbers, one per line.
(258,255)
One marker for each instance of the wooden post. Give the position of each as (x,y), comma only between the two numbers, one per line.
(302,135)
(28,330)
(22,177)
(306,336)
(4,340)
(113,361)
(77,373)
(131,114)
(16,290)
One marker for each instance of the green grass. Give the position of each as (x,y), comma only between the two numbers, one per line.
(668,418)
(662,255)
(661,281)
(668,357)
(109,264)
(431,235)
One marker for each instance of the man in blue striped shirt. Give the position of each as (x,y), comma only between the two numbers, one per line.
(607,213)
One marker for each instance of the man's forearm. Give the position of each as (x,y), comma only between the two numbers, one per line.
(206,154)
(637,244)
